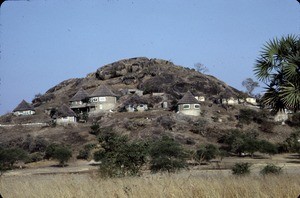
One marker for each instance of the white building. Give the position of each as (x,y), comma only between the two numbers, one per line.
(24,108)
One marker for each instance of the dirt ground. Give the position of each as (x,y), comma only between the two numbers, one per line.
(290,164)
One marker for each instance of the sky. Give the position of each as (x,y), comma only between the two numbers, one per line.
(44,42)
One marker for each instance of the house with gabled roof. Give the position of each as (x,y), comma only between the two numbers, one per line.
(64,115)
(24,108)
(189,105)
(79,102)
(103,99)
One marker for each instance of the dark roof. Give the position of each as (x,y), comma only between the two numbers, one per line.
(80,95)
(135,100)
(64,111)
(24,106)
(103,90)
(188,98)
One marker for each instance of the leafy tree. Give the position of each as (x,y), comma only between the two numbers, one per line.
(267,147)
(279,67)
(242,168)
(207,152)
(10,156)
(250,85)
(118,156)
(62,154)
(166,155)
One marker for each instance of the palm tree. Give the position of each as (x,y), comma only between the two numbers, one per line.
(279,68)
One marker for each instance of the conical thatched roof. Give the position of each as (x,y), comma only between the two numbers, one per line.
(80,95)
(64,111)
(135,100)
(188,98)
(103,90)
(24,106)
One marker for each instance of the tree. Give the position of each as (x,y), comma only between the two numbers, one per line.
(166,155)
(119,156)
(200,68)
(250,85)
(279,68)
(8,157)
(62,154)
(207,152)
(242,168)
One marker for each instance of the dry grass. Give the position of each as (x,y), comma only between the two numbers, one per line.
(154,186)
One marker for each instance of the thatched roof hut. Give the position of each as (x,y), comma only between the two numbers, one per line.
(64,111)
(102,91)
(80,95)
(188,98)
(24,106)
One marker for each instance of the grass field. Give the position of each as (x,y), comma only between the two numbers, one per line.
(185,184)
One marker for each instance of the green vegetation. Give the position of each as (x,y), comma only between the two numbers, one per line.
(241,168)
(278,67)
(271,169)
(238,142)
(62,155)
(58,152)
(8,157)
(166,155)
(207,152)
(119,156)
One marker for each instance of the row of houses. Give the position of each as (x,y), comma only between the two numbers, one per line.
(104,100)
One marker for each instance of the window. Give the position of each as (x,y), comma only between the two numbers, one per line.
(94,99)
(186,106)
(102,99)
(196,106)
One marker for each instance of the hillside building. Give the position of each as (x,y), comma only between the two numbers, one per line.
(24,108)
(102,99)
(64,115)
(189,105)
(79,102)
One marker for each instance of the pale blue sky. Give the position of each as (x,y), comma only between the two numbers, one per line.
(44,42)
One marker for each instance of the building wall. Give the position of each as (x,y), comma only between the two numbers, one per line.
(66,120)
(182,108)
(28,112)
(104,103)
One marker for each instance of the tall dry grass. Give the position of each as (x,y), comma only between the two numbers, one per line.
(154,186)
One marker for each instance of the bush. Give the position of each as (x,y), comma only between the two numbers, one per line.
(95,129)
(62,155)
(267,126)
(271,169)
(267,147)
(118,156)
(34,157)
(246,116)
(85,152)
(166,155)
(241,168)
(291,144)
(294,120)
(50,150)
(8,157)
(207,152)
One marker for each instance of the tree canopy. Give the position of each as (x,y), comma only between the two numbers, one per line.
(279,68)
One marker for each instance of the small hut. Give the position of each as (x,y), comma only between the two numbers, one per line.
(103,99)
(24,108)
(136,103)
(64,115)
(189,105)
(79,102)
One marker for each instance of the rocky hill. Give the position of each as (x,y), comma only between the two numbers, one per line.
(150,76)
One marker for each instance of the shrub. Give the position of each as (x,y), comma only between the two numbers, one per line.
(34,157)
(207,152)
(118,156)
(271,169)
(294,120)
(8,157)
(62,154)
(242,168)
(267,147)
(50,150)
(85,152)
(166,155)
(267,126)
(246,116)
(95,129)
(291,144)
